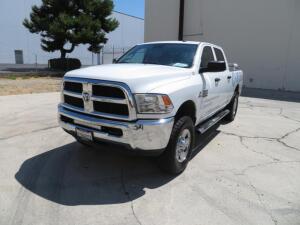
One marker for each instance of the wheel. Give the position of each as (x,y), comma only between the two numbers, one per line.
(233,106)
(177,154)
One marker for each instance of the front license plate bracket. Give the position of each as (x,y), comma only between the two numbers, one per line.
(84,135)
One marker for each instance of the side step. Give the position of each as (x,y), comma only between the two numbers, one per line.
(202,128)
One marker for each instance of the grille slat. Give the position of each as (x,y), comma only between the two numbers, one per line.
(108,91)
(73,87)
(77,102)
(109,100)
(111,108)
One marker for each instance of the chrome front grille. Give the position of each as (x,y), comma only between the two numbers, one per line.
(100,98)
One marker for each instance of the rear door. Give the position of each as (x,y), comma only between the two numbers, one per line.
(214,92)
(226,77)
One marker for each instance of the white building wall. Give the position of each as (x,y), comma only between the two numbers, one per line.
(161,17)
(13,35)
(261,35)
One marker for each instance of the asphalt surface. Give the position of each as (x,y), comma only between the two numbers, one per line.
(6,67)
(245,172)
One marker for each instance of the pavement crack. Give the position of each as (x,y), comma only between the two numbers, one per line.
(127,193)
(257,152)
(258,193)
(287,117)
(251,106)
(259,197)
(243,172)
(244,136)
(291,132)
(279,140)
(286,145)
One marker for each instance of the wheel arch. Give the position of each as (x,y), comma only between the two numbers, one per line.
(188,108)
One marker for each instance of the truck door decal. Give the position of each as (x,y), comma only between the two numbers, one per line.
(205,93)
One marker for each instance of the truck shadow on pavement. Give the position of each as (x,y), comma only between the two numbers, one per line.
(76,175)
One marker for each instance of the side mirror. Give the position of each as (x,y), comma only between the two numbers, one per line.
(214,66)
(114,61)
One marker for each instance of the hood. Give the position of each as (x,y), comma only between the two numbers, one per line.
(141,78)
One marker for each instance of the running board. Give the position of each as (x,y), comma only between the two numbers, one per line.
(208,124)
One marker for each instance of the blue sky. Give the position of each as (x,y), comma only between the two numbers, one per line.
(132,7)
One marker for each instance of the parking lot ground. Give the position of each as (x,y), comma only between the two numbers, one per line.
(245,172)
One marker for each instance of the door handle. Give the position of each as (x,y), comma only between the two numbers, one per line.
(217,79)
(229,77)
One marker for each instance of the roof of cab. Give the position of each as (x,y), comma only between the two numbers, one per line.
(182,42)
(172,42)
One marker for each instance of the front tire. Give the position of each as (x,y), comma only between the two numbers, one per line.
(175,158)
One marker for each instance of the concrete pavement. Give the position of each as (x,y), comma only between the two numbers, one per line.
(245,172)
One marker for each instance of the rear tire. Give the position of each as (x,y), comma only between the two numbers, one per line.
(233,106)
(175,158)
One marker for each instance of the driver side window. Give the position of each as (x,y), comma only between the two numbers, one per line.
(207,56)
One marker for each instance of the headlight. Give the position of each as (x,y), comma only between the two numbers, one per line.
(153,103)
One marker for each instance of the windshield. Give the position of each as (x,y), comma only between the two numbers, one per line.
(178,55)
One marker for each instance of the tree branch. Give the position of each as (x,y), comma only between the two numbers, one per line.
(69,50)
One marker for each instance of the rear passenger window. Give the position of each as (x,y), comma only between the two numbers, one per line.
(207,56)
(219,55)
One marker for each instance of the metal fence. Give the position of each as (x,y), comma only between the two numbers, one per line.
(110,53)
(106,55)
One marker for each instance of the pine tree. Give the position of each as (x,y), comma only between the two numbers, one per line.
(64,24)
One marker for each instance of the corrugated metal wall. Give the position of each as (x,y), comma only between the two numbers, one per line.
(261,35)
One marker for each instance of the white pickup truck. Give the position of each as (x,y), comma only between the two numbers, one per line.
(152,99)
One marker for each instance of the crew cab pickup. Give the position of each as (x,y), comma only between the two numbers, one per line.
(152,99)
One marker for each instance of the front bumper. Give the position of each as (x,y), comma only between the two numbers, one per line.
(141,134)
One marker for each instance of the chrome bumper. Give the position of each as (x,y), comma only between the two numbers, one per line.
(141,134)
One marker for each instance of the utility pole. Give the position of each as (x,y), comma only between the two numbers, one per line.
(181,20)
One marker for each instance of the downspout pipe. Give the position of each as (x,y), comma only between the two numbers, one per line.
(181,20)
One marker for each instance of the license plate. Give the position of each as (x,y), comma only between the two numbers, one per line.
(84,135)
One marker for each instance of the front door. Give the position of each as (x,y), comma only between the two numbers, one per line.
(214,86)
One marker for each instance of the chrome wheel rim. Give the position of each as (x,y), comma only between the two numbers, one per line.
(183,145)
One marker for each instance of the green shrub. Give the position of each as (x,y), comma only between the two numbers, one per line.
(64,64)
